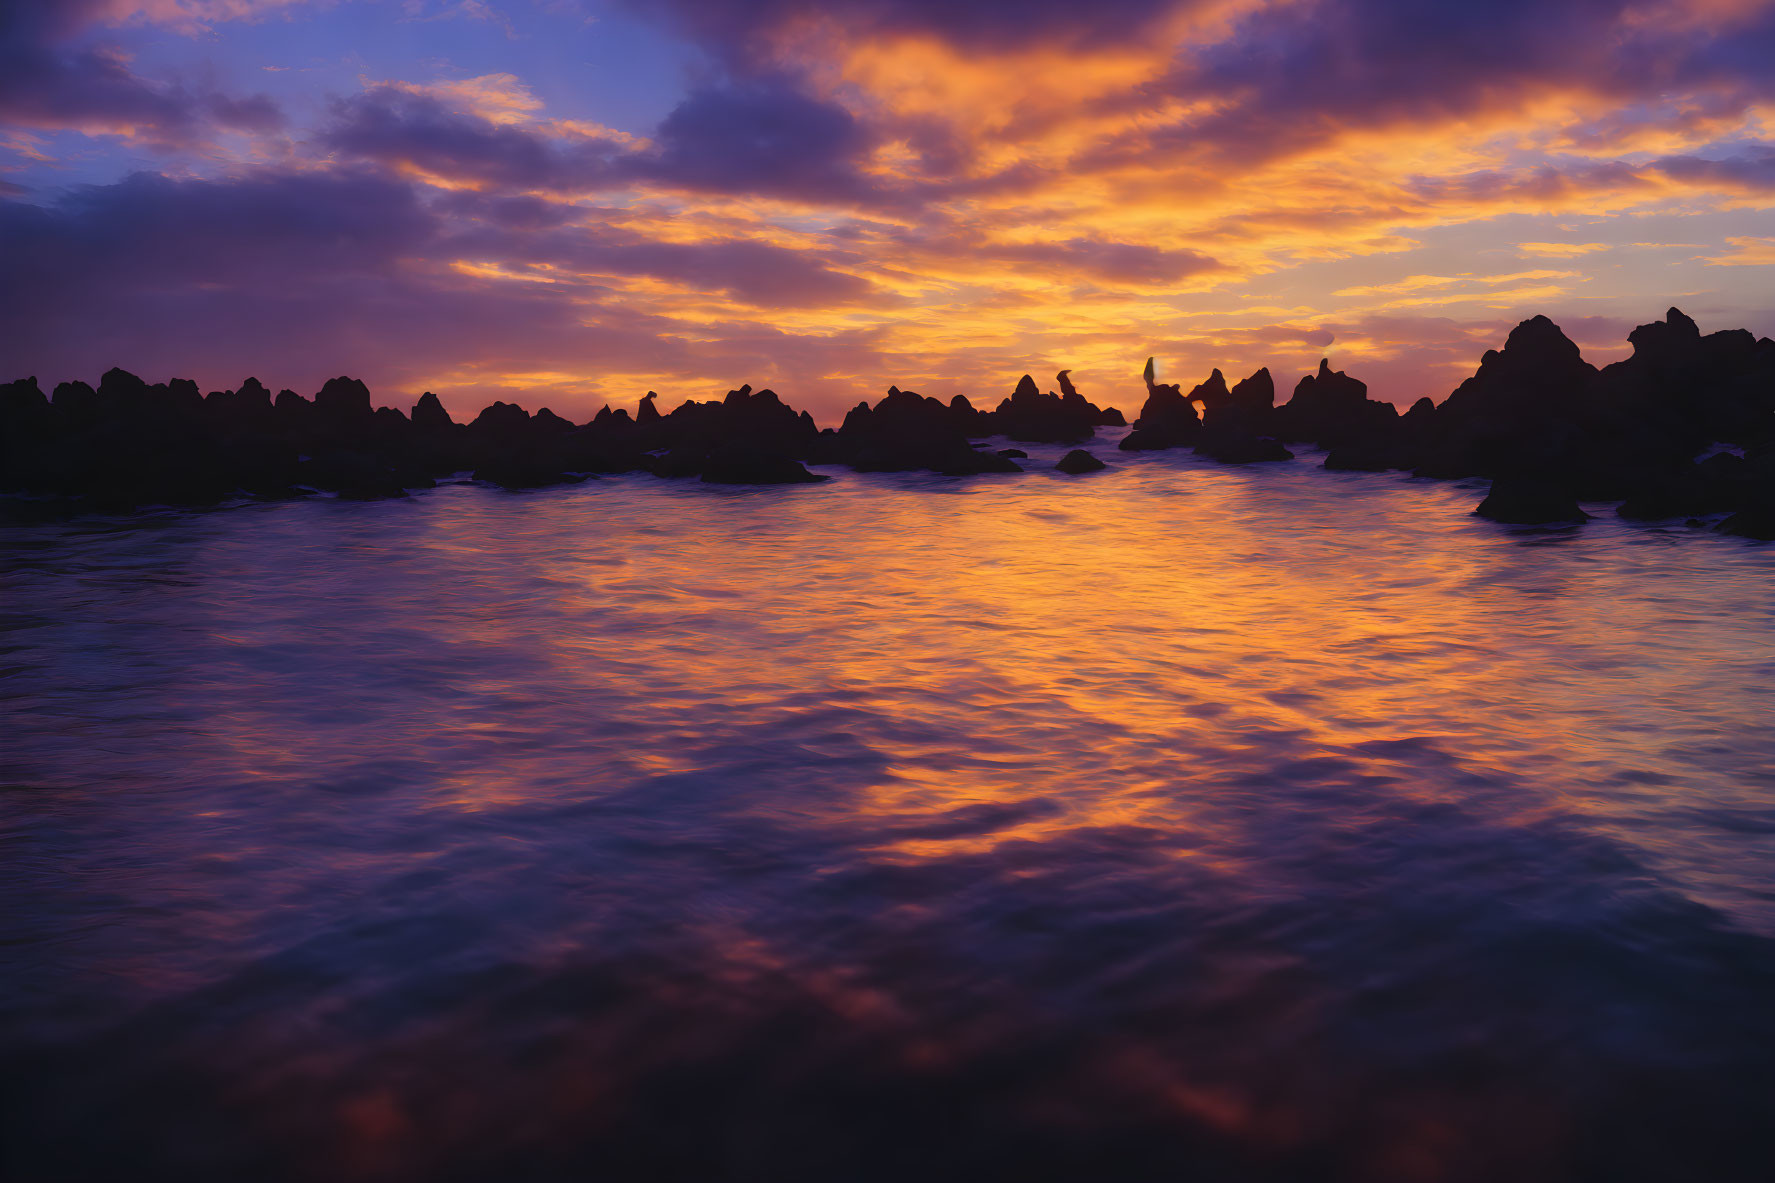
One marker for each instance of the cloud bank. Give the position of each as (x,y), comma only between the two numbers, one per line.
(840,196)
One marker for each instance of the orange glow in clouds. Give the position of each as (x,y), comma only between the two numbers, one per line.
(1233,184)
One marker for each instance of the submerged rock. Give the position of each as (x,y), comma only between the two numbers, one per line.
(1756,522)
(1529,501)
(1233,445)
(1078,460)
(740,465)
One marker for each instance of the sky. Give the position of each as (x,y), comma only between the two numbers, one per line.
(566,203)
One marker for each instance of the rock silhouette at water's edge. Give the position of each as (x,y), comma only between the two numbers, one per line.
(1683,427)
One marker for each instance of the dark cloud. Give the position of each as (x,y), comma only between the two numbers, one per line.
(207,277)
(160,233)
(1541,183)
(45,82)
(522,212)
(761,136)
(757,273)
(1292,77)
(295,277)
(1114,262)
(398,127)
(730,28)
(1278,337)
(1752,170)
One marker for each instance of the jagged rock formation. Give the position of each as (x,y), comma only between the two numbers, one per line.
(1332,410)
(1240,424)
(1548,428)
(1167,419)
(907,432)
(1551,430)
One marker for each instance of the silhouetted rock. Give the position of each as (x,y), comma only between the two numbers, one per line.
(967,420)
(1167,419)
(1254,395)
(1013,453)
(517,470)
(1682,491)
(1513,414)
(647,412)
(1235,445)
(905,432)
(1333,411)
(248,409)
(1238,426)
(1034,417)
(501,419)
(76,404)
(1539,372)
(737,464)
(121,393)
(1321,402)
(1362,456)
(22,399)
(429,414)
(1549,428)
(1105,416)
(1685,390)
(343,400)
(1213,392)
(1078,460)
(1529,501)
(1757,521)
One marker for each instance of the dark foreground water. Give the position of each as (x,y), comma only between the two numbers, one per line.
(1176,822)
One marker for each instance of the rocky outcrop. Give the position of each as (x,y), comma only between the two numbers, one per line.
(1515,412)
(1550,430)
(1240,424)
(907,432)
(1168,419)
(429,414)
(1332,410)
(1029,416)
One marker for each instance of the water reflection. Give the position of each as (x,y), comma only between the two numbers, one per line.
(1184,820)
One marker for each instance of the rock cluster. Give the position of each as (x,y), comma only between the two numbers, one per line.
(129,443)
(1548,428)
(1684,428)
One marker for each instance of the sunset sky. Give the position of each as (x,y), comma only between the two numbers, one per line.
(568,202)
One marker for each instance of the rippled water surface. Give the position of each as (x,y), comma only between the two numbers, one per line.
(1177,821)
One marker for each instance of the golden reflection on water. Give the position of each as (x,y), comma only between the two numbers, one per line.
(1175,764)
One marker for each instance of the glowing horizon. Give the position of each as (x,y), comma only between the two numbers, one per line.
(568,204)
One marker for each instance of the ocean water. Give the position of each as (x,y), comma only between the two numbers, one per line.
(1178,821)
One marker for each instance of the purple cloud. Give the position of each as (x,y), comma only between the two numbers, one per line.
(1113,262)
(46,83)
(759,136)
(397,127)
(734,27)
(1752,169)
